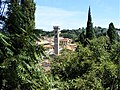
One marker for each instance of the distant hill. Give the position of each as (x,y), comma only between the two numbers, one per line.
(74,33)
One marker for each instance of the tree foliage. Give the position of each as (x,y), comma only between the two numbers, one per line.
(89,29)
(90,67)
(82,38)
(19,55)
(111,32)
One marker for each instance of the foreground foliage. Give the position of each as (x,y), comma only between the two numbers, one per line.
(19,55)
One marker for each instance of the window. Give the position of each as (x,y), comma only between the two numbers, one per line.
(55,36)
(55,32)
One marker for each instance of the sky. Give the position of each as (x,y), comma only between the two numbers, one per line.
(72,14)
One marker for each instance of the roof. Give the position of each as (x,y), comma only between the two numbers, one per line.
(48,46)
(65,39)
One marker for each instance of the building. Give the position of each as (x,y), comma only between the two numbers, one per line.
(56,39)
(118,32)
(53,45)
(65,41)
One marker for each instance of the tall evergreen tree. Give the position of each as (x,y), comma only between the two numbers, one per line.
(89,30)
(111,32)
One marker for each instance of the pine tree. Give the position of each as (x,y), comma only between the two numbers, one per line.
(89,29)
(111,32)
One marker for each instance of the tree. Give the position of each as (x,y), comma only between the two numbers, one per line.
(89,29)
(82,37)
(19,54)
(111,32)
(89,67)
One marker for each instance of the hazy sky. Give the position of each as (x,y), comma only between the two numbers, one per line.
(72,14)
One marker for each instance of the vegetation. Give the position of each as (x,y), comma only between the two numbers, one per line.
(74,33)
(95,66)
(19,56)
(82,38)
(89,29)
(90,67)
(111,32)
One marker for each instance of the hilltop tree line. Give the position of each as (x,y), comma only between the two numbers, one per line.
(95,64)
(75,33)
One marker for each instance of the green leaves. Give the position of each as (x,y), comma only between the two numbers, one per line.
(89,29)
(87,68)
(19,54)
(4,39)
(111,33)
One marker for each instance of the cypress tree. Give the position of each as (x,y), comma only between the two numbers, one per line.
(111,32)
(89,29)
